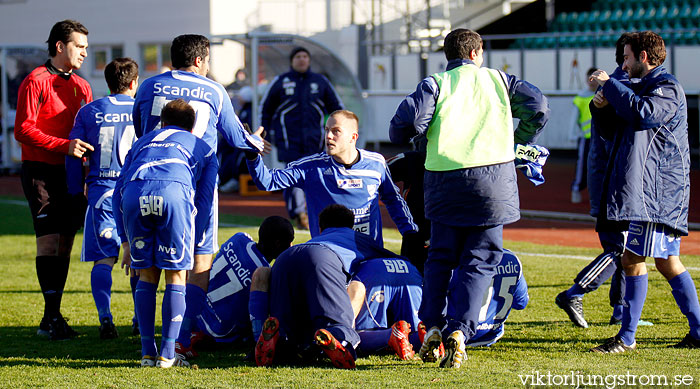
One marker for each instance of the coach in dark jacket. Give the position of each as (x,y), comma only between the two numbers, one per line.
(466,113)
(294,109)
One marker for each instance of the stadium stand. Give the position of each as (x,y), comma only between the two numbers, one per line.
(678,22)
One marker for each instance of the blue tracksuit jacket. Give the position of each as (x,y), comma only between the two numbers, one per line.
(480,196)
(294,109)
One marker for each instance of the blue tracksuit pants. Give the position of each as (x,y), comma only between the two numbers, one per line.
(461,264)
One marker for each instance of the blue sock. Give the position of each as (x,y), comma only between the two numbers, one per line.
(145,303)
(575,291)
(195,298)
(635,295)
(373,341)
(101,283)
(173,310)
(617,311)
(133,281)
(258,308)
(415,341)
(683,290)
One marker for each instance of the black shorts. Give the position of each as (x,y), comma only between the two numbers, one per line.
(52,208)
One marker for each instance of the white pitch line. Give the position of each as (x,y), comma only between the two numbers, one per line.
(14,202)
(232,225)
(389,240)
(581,257)
(565,256)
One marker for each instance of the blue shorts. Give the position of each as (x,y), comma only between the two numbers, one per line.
(208,242)
(393,292)
(159,223)
(652,240)
(100,238)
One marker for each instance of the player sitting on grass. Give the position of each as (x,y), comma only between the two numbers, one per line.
(225,318)
(166,190)
(105,123)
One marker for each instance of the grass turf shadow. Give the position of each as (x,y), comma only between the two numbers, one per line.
(24,347)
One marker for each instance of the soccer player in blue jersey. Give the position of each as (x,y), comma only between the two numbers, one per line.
(385,294)
(388,290)
(343,174)
(165,191)
(189,55)
(507,291)
(225,317)
(105,123)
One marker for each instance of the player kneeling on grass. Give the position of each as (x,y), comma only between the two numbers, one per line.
(112,141)
(225,317)
(165,192)
(387,290)
(309,302)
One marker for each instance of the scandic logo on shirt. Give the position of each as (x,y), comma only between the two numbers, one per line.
(181,91)
(350,183)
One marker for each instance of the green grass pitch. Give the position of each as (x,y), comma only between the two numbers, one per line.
(538,341)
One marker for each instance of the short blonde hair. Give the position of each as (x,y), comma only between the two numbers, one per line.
(346,114)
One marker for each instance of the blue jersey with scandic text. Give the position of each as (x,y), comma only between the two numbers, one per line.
(209,100)
(507,291)
(358,187)
(225,317)
(107,125)
(171,155)
(393,292)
